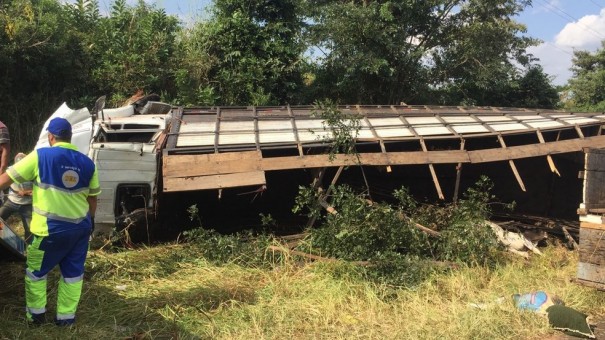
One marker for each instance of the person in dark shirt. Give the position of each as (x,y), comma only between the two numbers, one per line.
(19,201)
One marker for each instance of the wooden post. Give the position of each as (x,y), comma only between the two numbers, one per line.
(458,174)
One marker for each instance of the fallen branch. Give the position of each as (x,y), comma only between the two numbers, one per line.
(404,218)
(429,231)
(314,257)
(442,264)
(570,241)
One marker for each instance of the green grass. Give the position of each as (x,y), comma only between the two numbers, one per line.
(169,291)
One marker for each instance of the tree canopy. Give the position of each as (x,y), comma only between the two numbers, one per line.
(267,52)
(587,86)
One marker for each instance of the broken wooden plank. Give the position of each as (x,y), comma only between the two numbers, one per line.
(551,163)
(579,131)
(512,165)
(172,184)
(570,241)
(433,173)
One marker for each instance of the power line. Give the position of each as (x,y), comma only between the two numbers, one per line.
(550,7)
(558,48)
(596,4)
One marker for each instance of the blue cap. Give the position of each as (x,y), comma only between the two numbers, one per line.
(59,127)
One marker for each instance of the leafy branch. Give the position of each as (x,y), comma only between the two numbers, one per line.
(343,127)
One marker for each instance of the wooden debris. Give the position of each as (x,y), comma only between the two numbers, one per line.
(515,243)
(552,226)
(571,243)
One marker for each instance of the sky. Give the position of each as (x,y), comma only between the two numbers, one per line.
(562,25)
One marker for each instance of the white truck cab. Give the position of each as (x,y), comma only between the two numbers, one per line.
(124,144)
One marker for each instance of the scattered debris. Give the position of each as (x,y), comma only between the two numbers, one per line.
(516,243)
(560,317)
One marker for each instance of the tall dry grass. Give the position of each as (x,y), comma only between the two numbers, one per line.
(169,291)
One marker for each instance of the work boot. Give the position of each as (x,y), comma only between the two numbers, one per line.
(36,319)
(65,322)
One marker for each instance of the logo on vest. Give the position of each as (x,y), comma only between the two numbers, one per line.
(70,178)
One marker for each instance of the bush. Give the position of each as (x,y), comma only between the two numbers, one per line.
(385,234)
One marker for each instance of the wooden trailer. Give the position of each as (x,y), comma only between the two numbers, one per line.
(591,266)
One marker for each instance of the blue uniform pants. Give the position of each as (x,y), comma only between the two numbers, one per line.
(67,250)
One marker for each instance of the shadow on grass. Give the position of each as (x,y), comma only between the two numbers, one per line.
(105,314)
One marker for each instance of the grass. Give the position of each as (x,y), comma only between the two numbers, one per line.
(169,292)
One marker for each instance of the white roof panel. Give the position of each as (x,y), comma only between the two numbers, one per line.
(488,119)
(198,127)
(276,137)
(236,138)
(385,122)
(527,117)
(365,133)
(475,128)
(458,119)
(433,130)
(308,136)
(195,140)
(274,125)
(579,120)
(393,132)
(545,124)
(236,126)
(508,127)
(309,124)
(423,120)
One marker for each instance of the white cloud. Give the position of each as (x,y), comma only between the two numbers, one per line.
(585,33)
(556,56)
(556,60)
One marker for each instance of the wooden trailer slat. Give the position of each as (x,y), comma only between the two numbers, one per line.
(178,184)
(198,164)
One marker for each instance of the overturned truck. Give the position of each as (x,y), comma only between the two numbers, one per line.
(154,159)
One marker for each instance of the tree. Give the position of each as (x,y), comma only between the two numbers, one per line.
(256,51)
(587,84)
(42,64)
(134,47)
(440,51)
(192,77)
(474,62)
(535,90)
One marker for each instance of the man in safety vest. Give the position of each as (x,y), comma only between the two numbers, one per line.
(65,192)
